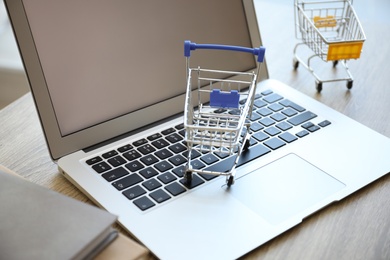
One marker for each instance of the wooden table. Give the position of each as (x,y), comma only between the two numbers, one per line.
(358,227)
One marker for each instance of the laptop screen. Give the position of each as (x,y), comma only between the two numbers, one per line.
(101,69)
(105,59)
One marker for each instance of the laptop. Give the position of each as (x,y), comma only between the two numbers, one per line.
(109,80)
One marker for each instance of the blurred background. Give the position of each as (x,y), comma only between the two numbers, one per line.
(13,82)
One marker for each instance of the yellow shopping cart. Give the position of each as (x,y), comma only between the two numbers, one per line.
(331,29)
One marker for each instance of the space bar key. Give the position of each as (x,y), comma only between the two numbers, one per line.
(252,153)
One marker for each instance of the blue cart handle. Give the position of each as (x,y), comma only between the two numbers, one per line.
(191,46)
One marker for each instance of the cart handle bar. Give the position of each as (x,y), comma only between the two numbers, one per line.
(191,46)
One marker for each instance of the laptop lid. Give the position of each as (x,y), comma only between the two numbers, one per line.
(98,70)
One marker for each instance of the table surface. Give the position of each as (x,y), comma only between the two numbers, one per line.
(357,227)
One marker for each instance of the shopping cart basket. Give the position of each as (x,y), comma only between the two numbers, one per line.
(218,106)
(331,29)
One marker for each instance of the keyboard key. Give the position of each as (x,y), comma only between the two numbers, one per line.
(174,138)
(140,142)
(272,131)
(255,117)
(177,148)
(166,177)
(235,112)
(163,166)
(125,148)
(260,136)
(168,131)
(149,159)
(182,132)
(134,166)
(195,182)
(256,127)
(94,160)
(275,107)
(128,181)
(267,92)
(132,155)
(313,128)
(177,160)
(146,149)
(115,174)
(194,154)
(220,110)
(284,126)
(222,154)
(160,196)
(259,103)
(301,118)
(101,167)
(180,126)
(116,161)
(302,133)
(179,171)
(163,154)
(242,101)
(175,188)
(143,203)
(288,137)
(197,164)
(160,143)
(109,154)
(278,117)
(324,123)
(272,98)
(154,136)
(134,192)
(288,103)
(148,172)
(209,158)
(264,111)
(151,184)
(274,143)
(307,125)
(289,112)
(267,121)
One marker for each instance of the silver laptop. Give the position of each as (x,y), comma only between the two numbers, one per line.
(108,80)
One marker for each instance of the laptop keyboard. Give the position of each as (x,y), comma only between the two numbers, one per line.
(150,171)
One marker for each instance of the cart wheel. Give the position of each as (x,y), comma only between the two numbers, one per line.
(230,181)
(246,145)
(295,64)
(335,62)
(319,86)
(349,84)
(188,176)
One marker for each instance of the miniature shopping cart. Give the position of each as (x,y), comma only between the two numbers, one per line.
(218,106)
(331,29)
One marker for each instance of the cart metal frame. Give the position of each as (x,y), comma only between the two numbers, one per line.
(217,111)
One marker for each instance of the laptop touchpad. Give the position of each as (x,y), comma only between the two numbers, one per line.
(284,188)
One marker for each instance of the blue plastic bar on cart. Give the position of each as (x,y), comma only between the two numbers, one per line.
(191,46)
(224,100)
